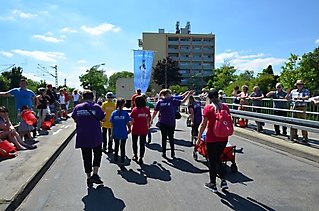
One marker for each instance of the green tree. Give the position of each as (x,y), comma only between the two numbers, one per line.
(33,85)
(4,83)
(178,89)
(94,80)
(266,80)
(166,72)
(305,68)
(289,74)
(245,78)
(113,78)
(14,76)
(222,77)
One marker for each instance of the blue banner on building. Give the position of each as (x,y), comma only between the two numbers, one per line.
(143,61)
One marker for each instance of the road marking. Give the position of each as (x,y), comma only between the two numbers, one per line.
(56,132)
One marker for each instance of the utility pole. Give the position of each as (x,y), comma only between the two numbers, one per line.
(55,67)
(54,76)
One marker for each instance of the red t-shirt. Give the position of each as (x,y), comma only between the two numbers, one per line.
(133,100)
(140,118)
(209,112)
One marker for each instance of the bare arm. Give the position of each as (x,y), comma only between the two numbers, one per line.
(191,114)
(153,116)
(5,94)
(201,129)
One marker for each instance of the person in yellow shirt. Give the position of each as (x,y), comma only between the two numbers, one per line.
(108,107)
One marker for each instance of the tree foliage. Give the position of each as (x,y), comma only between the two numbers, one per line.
(167,70)
(222,77)
(13,76)
(113,78)
(94,80)
(305,68)
(178,89)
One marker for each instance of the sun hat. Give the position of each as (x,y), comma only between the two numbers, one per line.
(110,95)
(299,82)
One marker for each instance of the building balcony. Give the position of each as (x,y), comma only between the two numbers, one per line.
(172,50)
(173,42)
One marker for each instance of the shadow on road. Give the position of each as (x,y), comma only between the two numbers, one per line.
(155,171)
(154,146)
(132,176)
(184,165)
(182,142)
(236,202)
(102,198)
(237,177)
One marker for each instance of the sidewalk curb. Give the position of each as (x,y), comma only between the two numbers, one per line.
(23,192)
(296,149)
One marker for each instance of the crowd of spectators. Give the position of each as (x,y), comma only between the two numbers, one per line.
(50,104)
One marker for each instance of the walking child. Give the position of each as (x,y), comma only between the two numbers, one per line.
(121,127)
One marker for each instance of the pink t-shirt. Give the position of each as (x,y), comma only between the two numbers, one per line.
(140,123)
(209,112)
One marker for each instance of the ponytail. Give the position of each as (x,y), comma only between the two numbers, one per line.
(119,105)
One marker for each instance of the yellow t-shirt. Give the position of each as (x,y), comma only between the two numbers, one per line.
(108,108)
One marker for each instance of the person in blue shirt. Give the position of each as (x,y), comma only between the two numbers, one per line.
(121,127)
(23,95)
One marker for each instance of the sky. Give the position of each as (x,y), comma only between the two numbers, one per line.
(76,35)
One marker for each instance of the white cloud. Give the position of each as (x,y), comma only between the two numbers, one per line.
(100,29)
(256,62)
(47,38)
(41,55)
(68,30)
(20,14)
(317,41)
(82,61)
(6,54)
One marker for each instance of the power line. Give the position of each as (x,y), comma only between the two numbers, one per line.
(43,69)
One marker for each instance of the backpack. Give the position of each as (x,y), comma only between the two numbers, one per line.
(7,150)
(223,126)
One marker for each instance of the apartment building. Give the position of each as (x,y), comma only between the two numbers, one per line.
(195,53)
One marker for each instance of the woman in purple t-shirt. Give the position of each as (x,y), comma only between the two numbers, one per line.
(166,106)
(87,116)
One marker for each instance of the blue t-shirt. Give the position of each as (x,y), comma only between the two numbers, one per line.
(22,97)
(119,123)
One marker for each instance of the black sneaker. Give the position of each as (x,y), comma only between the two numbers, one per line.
(96,179)
(172,154)
(149,141)
(164,156)
(223,185)
(116,158)
(89,183)
(122,161)
(211,186)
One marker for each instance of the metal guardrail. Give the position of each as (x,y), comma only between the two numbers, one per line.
(268,117)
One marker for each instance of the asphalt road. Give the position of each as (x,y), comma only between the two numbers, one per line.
(268,179)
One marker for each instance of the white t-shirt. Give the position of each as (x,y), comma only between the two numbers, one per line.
(76,97)
(61,99)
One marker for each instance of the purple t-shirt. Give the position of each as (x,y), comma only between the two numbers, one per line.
(197,112)
(88,127)
(167,109)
